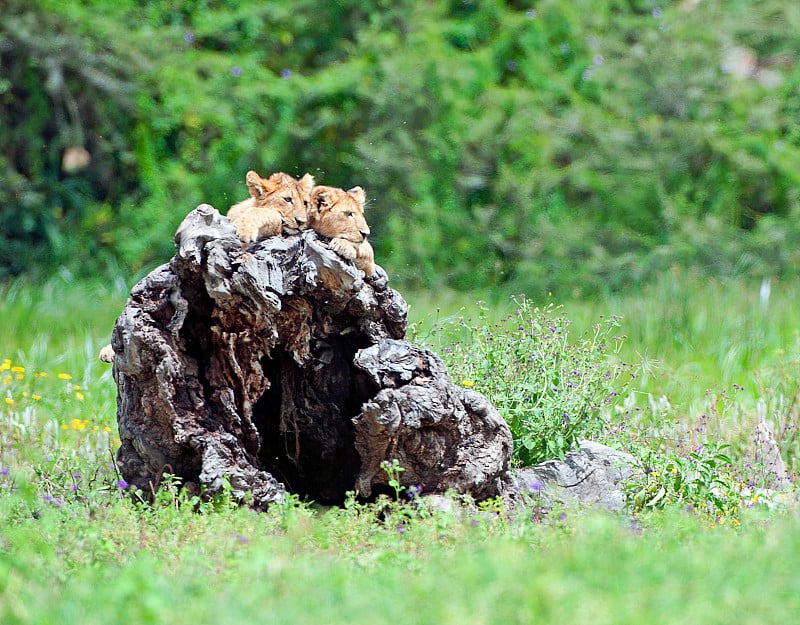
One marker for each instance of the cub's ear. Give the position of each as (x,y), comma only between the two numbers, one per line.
(307,183)
(358,194)
(321,198)
(255,184)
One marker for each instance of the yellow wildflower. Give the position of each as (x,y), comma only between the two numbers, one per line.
(654,473)
(20,376)
(64,376)
(76,387)
(43,374)
(106,429)
(6,365)
(79,396)
(36,397)
(64,426)
(6,379)
(468,383)
(17,369)
(9,401)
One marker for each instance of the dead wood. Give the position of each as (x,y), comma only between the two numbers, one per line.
(282,368)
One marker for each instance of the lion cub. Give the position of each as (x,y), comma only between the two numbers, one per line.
(339,215)
(276,203)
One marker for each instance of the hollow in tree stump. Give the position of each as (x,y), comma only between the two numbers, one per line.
(282,368)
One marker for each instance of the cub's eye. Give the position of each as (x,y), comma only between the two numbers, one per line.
(349,213)
(288,200)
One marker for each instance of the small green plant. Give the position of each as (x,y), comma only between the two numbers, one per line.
(393,470)
(171,493)
(551,390)
(703,480)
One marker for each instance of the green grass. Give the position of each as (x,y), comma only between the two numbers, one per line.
(119,564)
(75,549)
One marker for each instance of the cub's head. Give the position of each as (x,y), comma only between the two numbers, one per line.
(336,213)
(286,194)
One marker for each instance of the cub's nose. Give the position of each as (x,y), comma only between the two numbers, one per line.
(365,232)
(301,221)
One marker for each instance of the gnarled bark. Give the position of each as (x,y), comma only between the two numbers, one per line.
(283,369)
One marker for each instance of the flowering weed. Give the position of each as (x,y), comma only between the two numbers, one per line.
(704,480)
(551,390)
(50,432)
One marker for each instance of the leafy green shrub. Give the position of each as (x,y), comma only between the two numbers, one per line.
(550,390)
(703,480)
(538,146)
(564,150)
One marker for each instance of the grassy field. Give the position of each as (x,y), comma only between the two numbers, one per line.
(712,358)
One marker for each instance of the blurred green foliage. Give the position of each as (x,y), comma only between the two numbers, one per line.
(563,146)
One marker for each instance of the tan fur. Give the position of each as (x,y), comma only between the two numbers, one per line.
(107,354)
(278,203)
(339,215)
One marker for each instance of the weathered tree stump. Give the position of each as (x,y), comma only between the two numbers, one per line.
(283,369)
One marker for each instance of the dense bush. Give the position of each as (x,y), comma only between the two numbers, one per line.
(561,146)
(61,92)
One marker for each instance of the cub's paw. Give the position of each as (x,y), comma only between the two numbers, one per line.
(344,248)
(246,229)
(365,258)
(107,354)
(267,219)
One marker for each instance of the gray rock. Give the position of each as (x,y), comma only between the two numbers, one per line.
(592,475)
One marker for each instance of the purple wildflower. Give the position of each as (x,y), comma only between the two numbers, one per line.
(286,73)
(188,36)
(236,71)
(122,484)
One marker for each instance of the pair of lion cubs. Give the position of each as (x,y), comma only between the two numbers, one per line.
(282,203)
